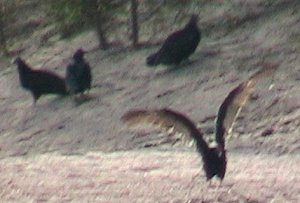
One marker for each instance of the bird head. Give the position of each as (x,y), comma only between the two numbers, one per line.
(21,64)
(78,55)
(194,19)
(17,61)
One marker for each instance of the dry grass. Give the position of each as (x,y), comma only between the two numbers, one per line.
(147,176)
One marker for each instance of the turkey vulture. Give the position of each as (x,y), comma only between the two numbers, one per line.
(39,82)
(214,158)
(178,46)
(78,74)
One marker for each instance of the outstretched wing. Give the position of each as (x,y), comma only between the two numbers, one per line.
(234,102)
(167,119)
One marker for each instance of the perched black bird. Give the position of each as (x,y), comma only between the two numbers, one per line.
(178,46)
(214,158)
(39,82)
(78,74)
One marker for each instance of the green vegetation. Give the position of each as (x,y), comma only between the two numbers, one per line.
(6,6)
(124,20)
(77,15)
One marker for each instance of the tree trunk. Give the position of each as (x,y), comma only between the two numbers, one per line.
(103,44)
(96,18)
(134,21)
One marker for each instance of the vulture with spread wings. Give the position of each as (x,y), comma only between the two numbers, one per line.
(214,158)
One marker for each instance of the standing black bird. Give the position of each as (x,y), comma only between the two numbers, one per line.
(178,46)
(78,74)
(39,82)
(214,158)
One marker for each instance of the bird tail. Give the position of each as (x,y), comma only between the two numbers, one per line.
(152,60)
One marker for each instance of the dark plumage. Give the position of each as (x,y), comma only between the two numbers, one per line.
(78,74)
(39,82)
(214,158)
(178,46)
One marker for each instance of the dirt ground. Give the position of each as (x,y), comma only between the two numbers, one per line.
(60,151)
(147,176)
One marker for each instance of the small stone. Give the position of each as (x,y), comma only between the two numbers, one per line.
(267,132)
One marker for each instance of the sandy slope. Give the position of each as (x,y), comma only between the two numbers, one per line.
(122,81)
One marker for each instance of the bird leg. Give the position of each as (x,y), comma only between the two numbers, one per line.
(35,98)
(187,62)
(219,185)
(209,183)
(76,99)
(216,183)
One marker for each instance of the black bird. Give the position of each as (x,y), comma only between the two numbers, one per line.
(78,74)
(214,158)
(178,46)
(39,82)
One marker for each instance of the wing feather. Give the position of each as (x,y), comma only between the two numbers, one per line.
(167,119)
(235,101)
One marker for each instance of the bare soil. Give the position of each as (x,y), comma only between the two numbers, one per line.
(147,176)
